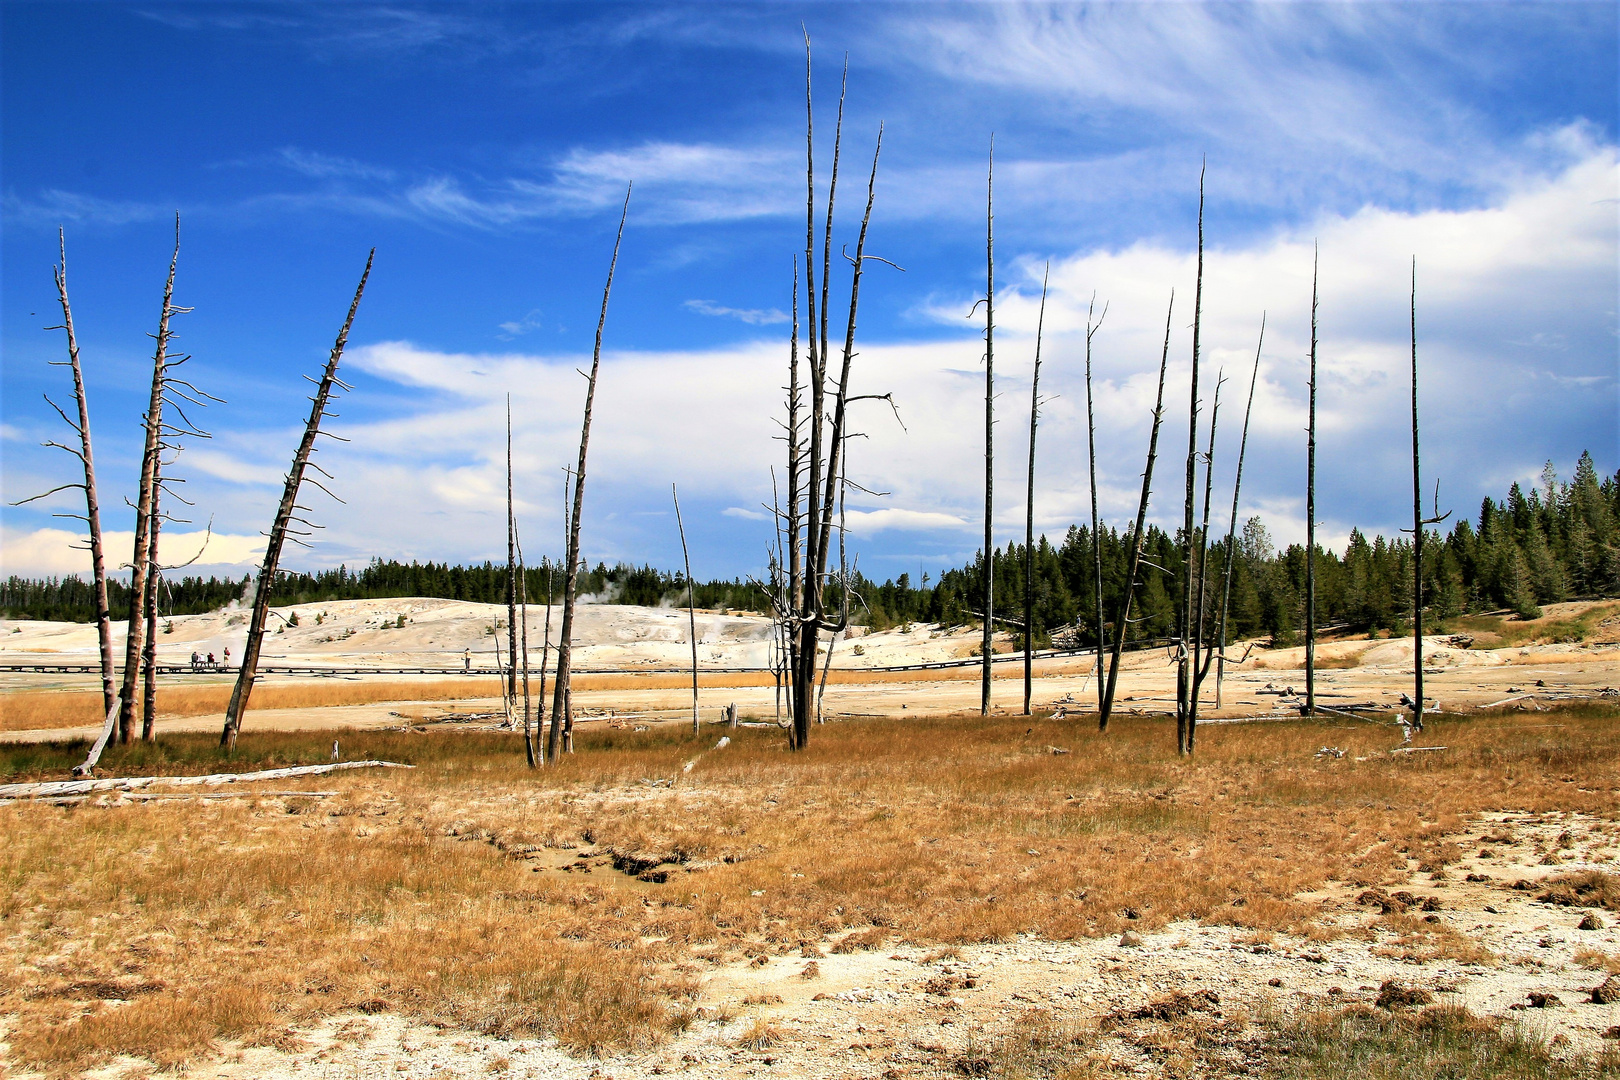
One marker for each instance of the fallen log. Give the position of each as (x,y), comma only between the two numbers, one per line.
(54,788)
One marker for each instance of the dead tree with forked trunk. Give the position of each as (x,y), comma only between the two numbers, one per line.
(140,560)
(1029,507)
(281,529)
(815,458)
(563,690)
(1138,537)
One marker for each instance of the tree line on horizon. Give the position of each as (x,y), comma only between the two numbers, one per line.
(1558,541)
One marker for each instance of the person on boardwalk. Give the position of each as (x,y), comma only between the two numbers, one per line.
(466,660)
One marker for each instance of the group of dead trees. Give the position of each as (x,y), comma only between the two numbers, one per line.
(165,424)
(1199,644)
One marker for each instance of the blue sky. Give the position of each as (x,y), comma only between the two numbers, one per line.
(483,149)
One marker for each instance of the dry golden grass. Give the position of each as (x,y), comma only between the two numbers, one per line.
(1585,656)
(41,710)
(444,893)
(45,710)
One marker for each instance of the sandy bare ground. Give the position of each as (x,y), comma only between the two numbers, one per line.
(1458,678)
(896,1010)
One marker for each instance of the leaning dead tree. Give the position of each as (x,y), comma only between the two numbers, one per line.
(988,646)
(1091,462)
(562,692)
(1137,537)
(1231,526)
(817,440)
(281,529)
(691,605)
(1310,516)
(92,503)
(1418,522)
(1029,506)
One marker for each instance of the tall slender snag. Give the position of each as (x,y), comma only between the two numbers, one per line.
(564,685)
(1137,537)
(511,571)
(134,641)
(988,646)
(523,644)
(1187,657)
(816,460)
(279,530)
(149,606)
(1199,667)
(110,702)
(1310,516)
(1029,507)
(691,605)
(1231,526)
(92,504)
(1091,462)
(1418,522)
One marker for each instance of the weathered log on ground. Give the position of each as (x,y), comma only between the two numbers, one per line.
(49,788)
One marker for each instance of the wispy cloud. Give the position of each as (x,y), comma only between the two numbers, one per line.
(751,316)
(518,327)
(53,207)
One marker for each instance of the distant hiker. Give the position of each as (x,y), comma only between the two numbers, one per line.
(211,662)
(466,660)
(227,657)
(196,658)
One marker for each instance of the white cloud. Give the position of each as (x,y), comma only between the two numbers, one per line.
(58,552)
(1541,260)
(751,316)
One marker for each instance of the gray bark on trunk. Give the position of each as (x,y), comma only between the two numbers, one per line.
(284,517)
(560,700)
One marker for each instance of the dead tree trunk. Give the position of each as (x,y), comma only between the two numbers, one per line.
(691,606)
(281,528)
(1188,654)
(1200,658)
(1137,536)
(1029,507)
(571,578)
(511,570)
(1231,527)
(92,510)
(523,643)
(149,606)
(1418,522)
(542,750)
(134,643)
(988,647)
(1091,461)
(1310,518)
(92,504)
(795,541)
(820,468)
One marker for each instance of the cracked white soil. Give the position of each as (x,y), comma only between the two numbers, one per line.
(903,1010)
